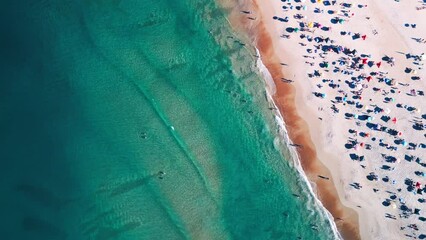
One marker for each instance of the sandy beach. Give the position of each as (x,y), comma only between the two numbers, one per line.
(350,86)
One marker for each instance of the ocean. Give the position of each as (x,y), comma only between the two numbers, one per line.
(141,120)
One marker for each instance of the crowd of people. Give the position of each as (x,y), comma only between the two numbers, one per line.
(387,131)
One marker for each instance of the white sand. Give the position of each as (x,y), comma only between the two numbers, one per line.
(331,134)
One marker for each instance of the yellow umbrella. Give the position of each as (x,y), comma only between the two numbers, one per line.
(319,1)
(310,25)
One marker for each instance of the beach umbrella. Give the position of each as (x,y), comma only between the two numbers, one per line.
(296,30)
(387,111)
(364,37)
(362,144)
(393,204)
(326,65)
(319,1)
(305,8)
(399,133)
(310,24)
(369,78)
(356,147)
(404,143)
(394,120)
(323,95)
(356,116)
(398,160)
(414,72)
(369,119)
(341,20)
(378,64)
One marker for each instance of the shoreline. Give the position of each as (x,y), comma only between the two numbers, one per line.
(298,130)
(345,218)
(294,153)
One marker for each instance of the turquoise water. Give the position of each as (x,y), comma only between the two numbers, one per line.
(139,120)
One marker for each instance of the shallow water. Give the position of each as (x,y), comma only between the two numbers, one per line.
(140,120)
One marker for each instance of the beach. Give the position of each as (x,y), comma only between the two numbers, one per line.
(349,85)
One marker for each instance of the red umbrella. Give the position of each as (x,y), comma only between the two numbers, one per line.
(394,120)
(379,64)
(369,78)
(364,61)
(364,37)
